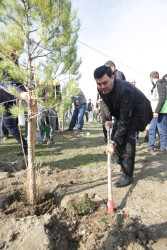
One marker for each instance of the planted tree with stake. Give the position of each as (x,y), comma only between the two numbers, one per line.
(43,35)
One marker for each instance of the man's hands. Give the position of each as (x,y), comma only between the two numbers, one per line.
(24,95)
(155,115)
(110,149)
(108,124)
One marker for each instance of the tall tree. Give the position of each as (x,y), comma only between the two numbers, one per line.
(43,33)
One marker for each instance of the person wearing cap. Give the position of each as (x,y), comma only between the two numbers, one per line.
(126,103)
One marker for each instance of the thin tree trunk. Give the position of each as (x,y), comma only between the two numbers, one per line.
(31,182)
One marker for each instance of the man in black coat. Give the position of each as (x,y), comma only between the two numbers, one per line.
(105,114)
(133,112)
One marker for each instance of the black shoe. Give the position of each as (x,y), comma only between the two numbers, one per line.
(69,129)
(50,141)
(21,152)
(117,162)
(157,145)
(124,181)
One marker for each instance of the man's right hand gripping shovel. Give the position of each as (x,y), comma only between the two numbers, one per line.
(110,146)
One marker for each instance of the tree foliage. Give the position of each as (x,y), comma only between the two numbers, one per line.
(42,36)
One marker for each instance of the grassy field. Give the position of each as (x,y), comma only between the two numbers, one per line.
(70,149)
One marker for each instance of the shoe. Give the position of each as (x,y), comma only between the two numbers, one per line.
(161,151)
(157,145)
(21,152)
(69,129)
(79,130)
(117,162)
(149,150)
(124,181)
(5,138)
(50,141)
(41,142)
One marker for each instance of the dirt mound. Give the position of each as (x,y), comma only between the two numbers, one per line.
(75,227)
(14,205)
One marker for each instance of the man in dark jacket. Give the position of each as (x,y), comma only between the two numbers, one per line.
(133,112)
(104,110)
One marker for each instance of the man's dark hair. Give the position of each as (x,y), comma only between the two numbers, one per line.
(101,71)
(154,74)
(110,63)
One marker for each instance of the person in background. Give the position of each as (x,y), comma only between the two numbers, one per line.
(8,100)
(159,107)
(5,132)
(86,115)
(164,77)
(90,110)
(133,82)
(78,113)
(126,103)
(116,73)
(47,122)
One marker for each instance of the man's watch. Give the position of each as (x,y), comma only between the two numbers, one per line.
(113,143)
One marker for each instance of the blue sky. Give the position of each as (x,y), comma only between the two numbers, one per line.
(131,33)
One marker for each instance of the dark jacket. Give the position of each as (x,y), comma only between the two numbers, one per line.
(128,105)
(5,95)
(119,75)
(158,95)
(79,99)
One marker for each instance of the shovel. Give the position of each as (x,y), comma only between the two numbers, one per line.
(110,204)
(110,196)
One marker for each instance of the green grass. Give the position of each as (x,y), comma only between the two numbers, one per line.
(71,149)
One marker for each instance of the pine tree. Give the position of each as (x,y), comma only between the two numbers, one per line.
(43,34)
